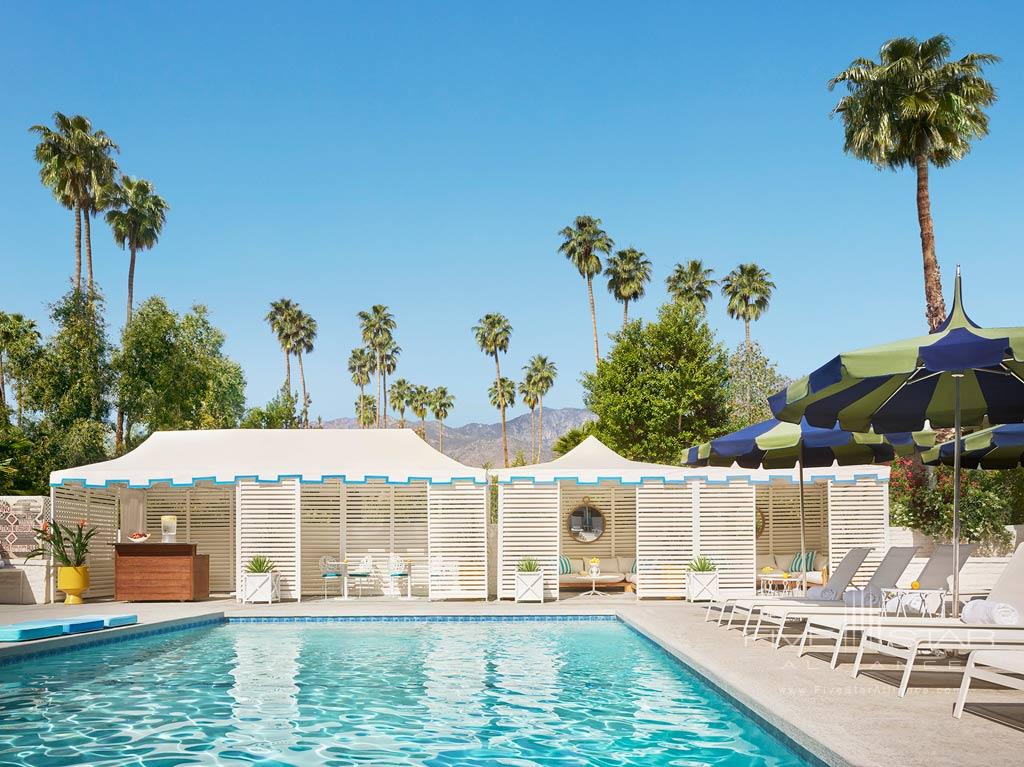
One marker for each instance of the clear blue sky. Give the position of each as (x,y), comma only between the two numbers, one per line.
(425,155)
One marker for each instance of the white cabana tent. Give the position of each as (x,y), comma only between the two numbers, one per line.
(292,495)
(664,516)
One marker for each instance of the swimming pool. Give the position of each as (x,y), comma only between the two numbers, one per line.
(565,693)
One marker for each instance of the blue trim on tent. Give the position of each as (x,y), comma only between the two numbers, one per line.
(72,481)
(703,478)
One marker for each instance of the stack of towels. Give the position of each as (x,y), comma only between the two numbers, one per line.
(993,613)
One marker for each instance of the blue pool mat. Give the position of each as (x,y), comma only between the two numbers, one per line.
(111,621)
(21,632)
(71,625)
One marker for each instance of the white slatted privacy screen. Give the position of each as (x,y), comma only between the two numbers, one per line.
(457,537)
(321,530)
(99,509)
(778,511)
(858,515)
(267,515)
(664,538)
(617,503)
(528,526)
(725,533)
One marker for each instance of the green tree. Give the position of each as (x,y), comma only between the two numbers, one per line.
(748,290)
(441,404)
(283,320)
(752,379)
(915,107)
(582,243)
(691,284)
(366,406)
(221,401)
(303,340)
(378,327)
(74,163)
(492,336)
(400,392)
(136,215)
(542,373)
(19,347)
(419,402)
(528,396)
(663,387)
(279,413)
(628,273)
(573,437)
(360,366)
(502,394)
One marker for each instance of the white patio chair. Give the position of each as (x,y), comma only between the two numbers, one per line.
(330,570)
(397,572)
(363,573)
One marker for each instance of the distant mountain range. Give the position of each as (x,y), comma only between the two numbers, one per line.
(475,444)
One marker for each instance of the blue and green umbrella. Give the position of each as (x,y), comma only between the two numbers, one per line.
(775,444)
(959,375)
(998,447)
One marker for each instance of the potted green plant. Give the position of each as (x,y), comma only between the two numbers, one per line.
(68,546)
(261,581)
(702,580)
(529,581)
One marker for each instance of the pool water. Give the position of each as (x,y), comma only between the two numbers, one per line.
(558,693)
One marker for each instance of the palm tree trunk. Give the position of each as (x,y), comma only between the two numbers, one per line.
(88,251)
(384,392)
(540,427)
(593,321)
(302,380)
(533,432)
(78,248)
(19,395)
(504,435)
(376,420)
(131,283)
(625,313)
(935,306)
(746,334)
(362,423)
(440,435)
(287,370)
(119,430)
(3,390)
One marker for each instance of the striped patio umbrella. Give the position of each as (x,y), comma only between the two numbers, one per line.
(955,376)
(775,444)
(998,447)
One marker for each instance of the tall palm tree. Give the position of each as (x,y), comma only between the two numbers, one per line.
(748,290)
(628,273)
(303,338)
(441,404)
(691,284)
(283,319)
(542,373)
(360,365)
(366,406)
(377,327)
(389,363)
(912,107)
(75,163)
(582,242)
(136,216)
(502,394)
(419,403)
(528,396)
(492,336)
(101,173)
(401,394)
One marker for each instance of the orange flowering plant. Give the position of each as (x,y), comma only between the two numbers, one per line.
(68,545)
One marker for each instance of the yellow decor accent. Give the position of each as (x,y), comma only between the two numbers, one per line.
(595,561)
(915,585)
(785,575)
(767,569)
(73,581)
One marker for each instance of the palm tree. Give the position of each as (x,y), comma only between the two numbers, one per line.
(748,289)
(75,163)
(502,394)
(492,336)
(628,273)
(389,363)
(582,241)
(915,106)
(302,339)
(401,394)
(377,327)
(528,396)
(441,404)
(136,216)
(283,319)
(360,365)
(691,284)
(542,373)
(366,406)
(419,402)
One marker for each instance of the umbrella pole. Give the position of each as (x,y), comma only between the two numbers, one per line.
(803,551)
(957,430)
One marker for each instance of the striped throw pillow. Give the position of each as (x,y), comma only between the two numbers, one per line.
(564,565)
(802,564)
(633,568)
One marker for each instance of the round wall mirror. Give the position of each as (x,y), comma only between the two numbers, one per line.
(586,523)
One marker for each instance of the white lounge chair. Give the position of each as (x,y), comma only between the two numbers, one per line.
(885,576)
(837,624)
(836,585)
(1002,667)
(897,638)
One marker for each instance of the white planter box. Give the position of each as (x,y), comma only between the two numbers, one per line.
(261,587)
(530,586)
(702,587)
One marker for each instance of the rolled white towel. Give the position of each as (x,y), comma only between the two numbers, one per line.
(861,598)
(892,604)
(1003,614)
(815,592)
(975,611)
(824,593)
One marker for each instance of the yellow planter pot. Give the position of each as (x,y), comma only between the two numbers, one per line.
(73,581)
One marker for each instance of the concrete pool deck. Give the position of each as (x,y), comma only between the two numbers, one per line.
(841,720)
